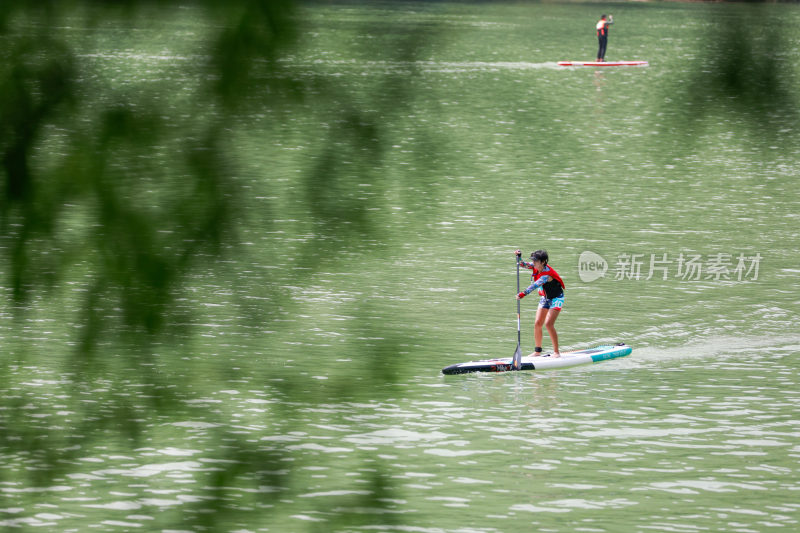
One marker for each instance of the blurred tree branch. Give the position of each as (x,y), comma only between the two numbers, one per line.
(111,196)
(745,74)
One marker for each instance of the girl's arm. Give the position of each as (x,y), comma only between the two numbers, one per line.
(536,284)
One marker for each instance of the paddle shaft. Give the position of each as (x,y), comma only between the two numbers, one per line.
(519,329)
(516,361)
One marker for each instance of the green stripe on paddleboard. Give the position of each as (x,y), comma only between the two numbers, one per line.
(612,355)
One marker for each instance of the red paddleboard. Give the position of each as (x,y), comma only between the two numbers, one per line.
(602,63)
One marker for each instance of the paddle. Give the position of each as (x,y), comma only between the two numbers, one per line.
(516,362)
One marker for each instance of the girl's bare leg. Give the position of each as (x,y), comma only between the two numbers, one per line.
(541,316)
(549,323)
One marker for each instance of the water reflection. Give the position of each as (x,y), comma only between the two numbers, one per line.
(543,444)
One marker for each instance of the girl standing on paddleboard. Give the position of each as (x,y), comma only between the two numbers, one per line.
(551,289)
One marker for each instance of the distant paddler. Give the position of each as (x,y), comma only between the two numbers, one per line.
(602,36)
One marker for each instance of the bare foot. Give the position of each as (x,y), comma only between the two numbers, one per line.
(556,355)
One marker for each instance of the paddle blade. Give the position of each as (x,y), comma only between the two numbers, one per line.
(516,362)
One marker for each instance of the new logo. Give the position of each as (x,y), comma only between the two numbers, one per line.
(591,266)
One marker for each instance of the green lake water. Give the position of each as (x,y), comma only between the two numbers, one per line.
(331,392)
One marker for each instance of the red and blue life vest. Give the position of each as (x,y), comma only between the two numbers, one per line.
(552,288)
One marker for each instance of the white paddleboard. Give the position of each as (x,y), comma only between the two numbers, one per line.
(543,362)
